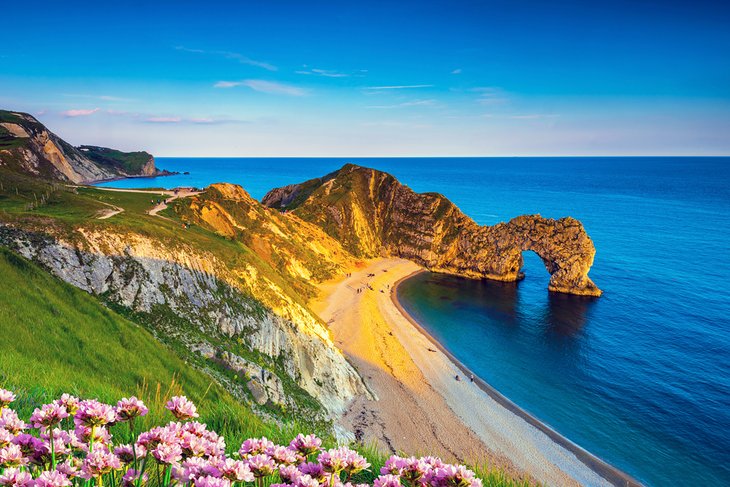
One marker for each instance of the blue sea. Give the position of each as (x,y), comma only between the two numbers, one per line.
(640,376)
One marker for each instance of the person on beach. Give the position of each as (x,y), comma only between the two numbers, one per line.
(457,377)
(471,377)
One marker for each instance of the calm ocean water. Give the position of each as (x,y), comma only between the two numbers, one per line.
(640,376)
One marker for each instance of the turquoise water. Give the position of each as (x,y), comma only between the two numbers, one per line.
(640,376)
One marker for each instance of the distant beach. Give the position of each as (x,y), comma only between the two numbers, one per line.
(421,406)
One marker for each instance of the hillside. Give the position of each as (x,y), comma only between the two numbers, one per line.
(28,147)
(215,300)
(372,214)
(63,340)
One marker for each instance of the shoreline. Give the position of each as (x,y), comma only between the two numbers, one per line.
(418,408)
(601,467)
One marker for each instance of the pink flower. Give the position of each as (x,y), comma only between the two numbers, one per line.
(314,470)
(355,463)
(52,479)
(413,469)
(130,408)
(454,476)
(13,477)
(334,460)
(236,471)
(10,421)
(131,477)
(387,481)
(261,465)
(70,402)
(182,408)
(289,473)
(307,481)
(255,446)
(126,453)
(85,434)
(48,415)
(69,467)
(99,462)
(305,445)
(93,413)
(33,448)
(5,437)
(392,466)
(12,456)
(167,453)
(6,397)
(282,455)
(209,481)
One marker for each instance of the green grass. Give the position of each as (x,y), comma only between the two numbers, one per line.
(128,162)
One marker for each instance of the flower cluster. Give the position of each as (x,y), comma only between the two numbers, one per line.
(69,443)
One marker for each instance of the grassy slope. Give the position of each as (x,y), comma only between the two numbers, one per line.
(128,162)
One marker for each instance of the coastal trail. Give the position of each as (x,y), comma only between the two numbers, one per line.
(154,211)
(421,407)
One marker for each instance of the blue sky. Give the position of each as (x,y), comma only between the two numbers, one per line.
(377,78)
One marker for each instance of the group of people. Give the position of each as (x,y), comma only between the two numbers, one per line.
(471,377)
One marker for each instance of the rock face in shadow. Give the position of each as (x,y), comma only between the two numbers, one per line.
(372,214)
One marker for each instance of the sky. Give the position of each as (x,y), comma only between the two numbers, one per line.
(391,78)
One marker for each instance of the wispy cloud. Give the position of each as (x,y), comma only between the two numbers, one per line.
(413,103)
(163,120)
(330,73)
(456,71)
(98,97)
(231,55)
(397,87)
(534,116)
(490,95)
(79,112)
(264,86)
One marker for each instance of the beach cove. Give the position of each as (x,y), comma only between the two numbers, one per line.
(421,406)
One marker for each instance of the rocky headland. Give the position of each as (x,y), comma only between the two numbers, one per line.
(373,215)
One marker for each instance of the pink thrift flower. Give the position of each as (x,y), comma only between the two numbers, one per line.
(70,402)
(93,413)
(12,456)
(125,453)
(129,408)
(52,479)
(355,463)
(282,455)
(455,476)
(182,408)
(334,460)
(5,437)
(167,453)
(14,477)
(10,421)
(86,434)
(387,481)
(48,415)
(289,473)
(261,465)
(314,470)
(413,469)
(307,481)
(306,445)
(99,462)
(210,481)
(69,467)
(6,397)
(236,471)
(255,446)
(131,476)
(392,466)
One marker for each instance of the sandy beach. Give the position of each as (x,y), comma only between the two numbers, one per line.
(421,408)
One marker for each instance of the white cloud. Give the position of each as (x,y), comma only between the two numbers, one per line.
(263,86)
(327,73)
(231,55)
(80,112)
(397,87)
(163,120)
(456,71)
(490,95)
(414,103)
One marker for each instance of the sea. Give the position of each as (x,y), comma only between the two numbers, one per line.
(640,376)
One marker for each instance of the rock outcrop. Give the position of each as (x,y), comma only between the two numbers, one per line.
(28,147)
(372,214)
